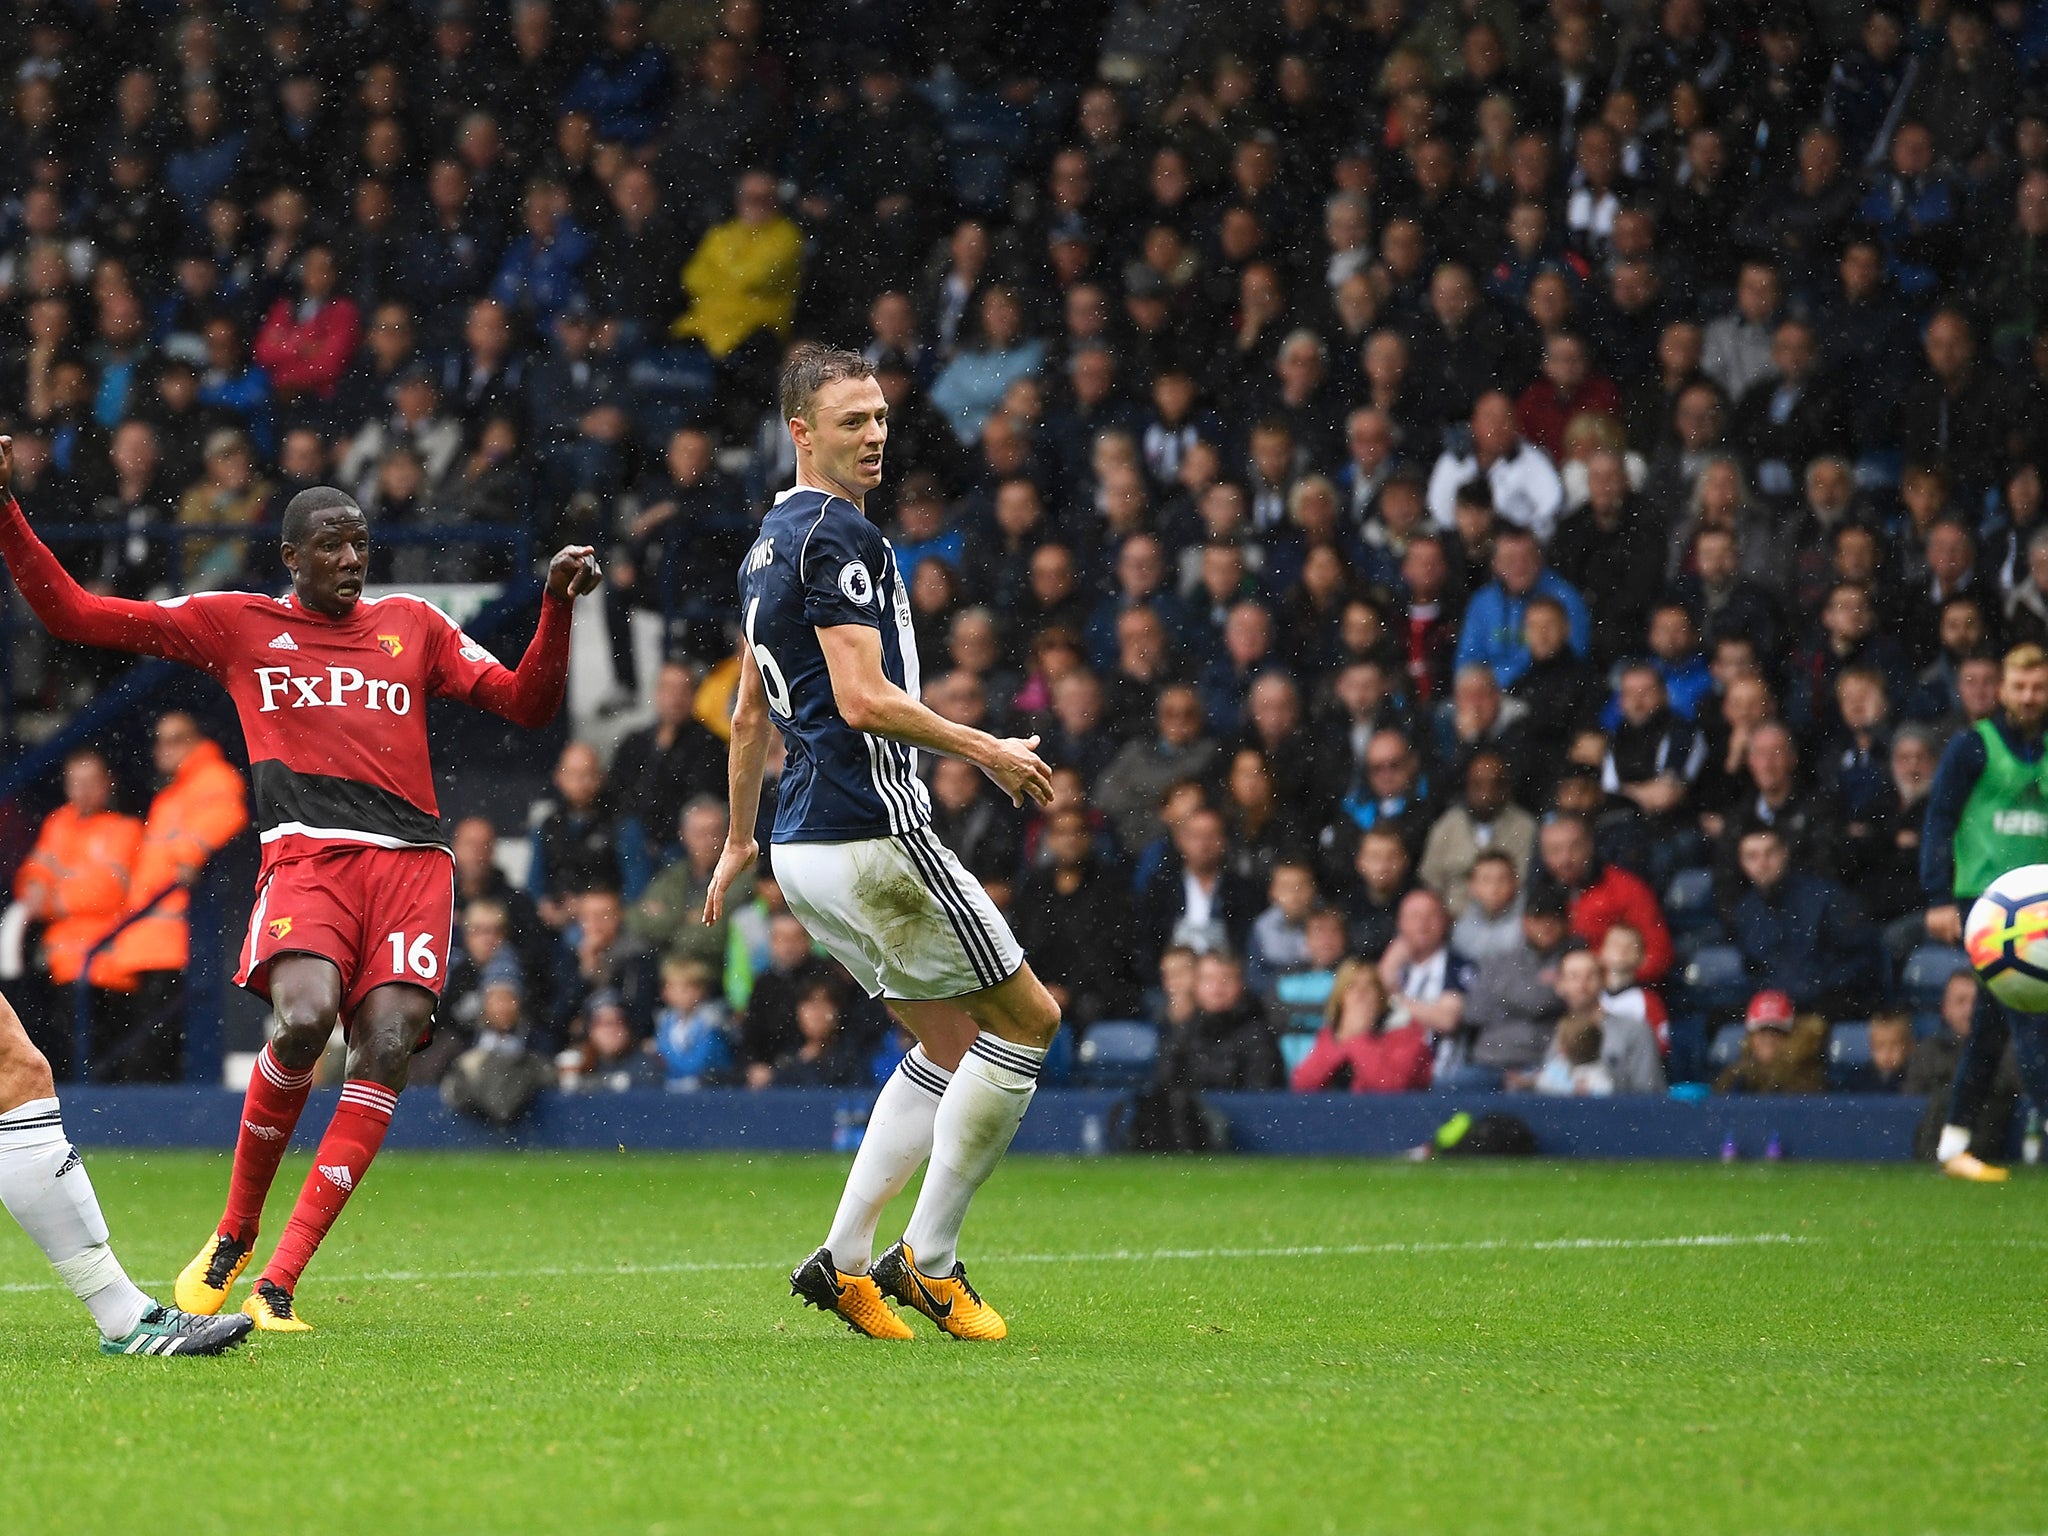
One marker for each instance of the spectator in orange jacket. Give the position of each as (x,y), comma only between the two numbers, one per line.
(1600,894)
(75,882)
(306,343)
(201,808)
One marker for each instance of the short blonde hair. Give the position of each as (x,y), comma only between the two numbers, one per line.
(2025,658)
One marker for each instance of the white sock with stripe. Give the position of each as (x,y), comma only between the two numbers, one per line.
(976,1122)
(44,1186)
(897,1140)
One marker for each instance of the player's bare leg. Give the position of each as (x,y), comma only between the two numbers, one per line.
(894,1146)
(977,1118)
(305,999)
(382,1034)
(45,1187)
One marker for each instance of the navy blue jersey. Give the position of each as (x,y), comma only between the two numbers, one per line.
(818,562)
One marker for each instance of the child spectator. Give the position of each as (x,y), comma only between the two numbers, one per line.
(1302,995)
(1621,994)
(1364,1045)
(499,1076)
(1279,940)
(1891,1054)
(1628,1058)
(1491,923)
(1780,1053)
(690,1030)
(827,1056)
(612,1061)
(1571,1069)
(1175,1003)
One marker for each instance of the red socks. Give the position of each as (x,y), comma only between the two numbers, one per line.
(345,1154)
(270,1110)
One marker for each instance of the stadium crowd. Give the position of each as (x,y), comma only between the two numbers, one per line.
(1493,508)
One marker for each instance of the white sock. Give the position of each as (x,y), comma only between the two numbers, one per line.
(897,1140)
(976,1122)
(1955,1141)
(44,1186)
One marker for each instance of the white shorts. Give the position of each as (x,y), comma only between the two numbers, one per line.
(901,914)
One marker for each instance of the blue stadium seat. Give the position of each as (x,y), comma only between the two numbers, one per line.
(1848,1049)
(1689,942)
(1295,1046)
(1716,980)
(1926,1025)
(1927,972)
(1689,901)
(1119,1053)
(1727,1046)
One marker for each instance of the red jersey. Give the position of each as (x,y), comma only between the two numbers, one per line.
(334,710)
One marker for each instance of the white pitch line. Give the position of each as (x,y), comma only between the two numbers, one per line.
(1708,1240)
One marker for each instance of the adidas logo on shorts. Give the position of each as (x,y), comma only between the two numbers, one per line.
(284,642)
(264,1132)
(338,1176)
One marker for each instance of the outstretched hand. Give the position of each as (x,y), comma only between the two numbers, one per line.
(6,467)
(733,860)
(573,572)
(1017,771)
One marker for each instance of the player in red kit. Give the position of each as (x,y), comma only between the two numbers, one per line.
(355,898)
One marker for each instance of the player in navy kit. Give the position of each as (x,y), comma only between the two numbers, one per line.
(827,656)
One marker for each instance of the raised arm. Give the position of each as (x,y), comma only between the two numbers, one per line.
(869,702)
(745,757)
(70,612)
(531,693)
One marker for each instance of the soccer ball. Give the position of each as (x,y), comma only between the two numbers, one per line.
(2006,936)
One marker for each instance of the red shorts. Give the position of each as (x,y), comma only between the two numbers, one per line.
(380,914)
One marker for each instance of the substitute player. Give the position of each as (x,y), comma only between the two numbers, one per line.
(355,896)
(44,1186)
(1987,812)
(828,656)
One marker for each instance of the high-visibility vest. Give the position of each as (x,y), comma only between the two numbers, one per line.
(192,818)
(81,865)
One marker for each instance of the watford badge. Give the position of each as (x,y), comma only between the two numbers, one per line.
(278,927)
(390,645)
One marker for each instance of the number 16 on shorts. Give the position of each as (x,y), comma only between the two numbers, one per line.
(412,955)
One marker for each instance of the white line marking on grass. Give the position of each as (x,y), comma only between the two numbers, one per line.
(1708,1240)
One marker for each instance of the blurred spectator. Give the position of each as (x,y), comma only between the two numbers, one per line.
(580,842)
(1600,894)
(1425,979)
(825,1055)
(75,884)
(1526,489)
(500,1075)
(1781,1051)
(1512,1004)
(1801,931)
(307,341)
(478,878)
(231,495)
(662,767)
(1493,631)
(605,959)
(1366,1045)
(1075,916)
(614,1058)
(1227,1045)
(1624,1055)
(1484,820)
(669,916)
(1891,1055)
(1491,922)
(1194,899)
(1135,783)
(1622,993)
(768,1027)
(690,1031)
(202,807)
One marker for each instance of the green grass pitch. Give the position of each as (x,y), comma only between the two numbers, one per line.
(554,1343)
